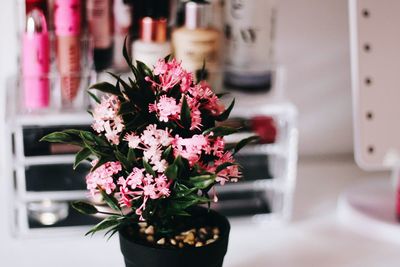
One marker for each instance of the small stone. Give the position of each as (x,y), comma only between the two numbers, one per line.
(209,241)
(181,245)
(150,238)
(189,237)
(149,230)
(142,224)
(161,241)
(179,237)
(215,237)
(215,231)
(199,244)
(203,231)
(172,241)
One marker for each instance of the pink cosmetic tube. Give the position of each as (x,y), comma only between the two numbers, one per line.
(36,61)
(67,22)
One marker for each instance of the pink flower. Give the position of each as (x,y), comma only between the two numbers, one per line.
(166,108)
(190,148)
(140,186)
(170,74)
(107,120)
(102,177)
(132,139)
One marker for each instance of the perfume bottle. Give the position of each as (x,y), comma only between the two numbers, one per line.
(123,14)
(249,29)
(153,43)
(198,43)
(99,19)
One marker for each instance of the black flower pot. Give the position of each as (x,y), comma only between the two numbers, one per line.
(138,254)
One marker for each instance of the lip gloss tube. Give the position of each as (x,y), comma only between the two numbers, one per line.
(67,22)
(32,4)
(99,19)
(36,61)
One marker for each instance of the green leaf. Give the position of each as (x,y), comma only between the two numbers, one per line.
(143,68)
(224,166)
(202,181)
(112,231)
(120,81)
(242,143)
(125,108)
(221,130)
(167,152)
(110,200)
(185,114)
(202,73)
(222,94)
(172,171)
(183,191)
(84,207)
(94,97)
(83,154)
(105,224)
(224,115)
(148,168)
(168,58)
(131,155)
(121,157)
(62,137)
(126,54)
(106,87)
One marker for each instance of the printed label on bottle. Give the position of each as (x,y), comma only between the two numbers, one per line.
(249,35)
(196,47)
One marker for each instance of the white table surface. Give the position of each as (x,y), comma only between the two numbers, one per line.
(313,238)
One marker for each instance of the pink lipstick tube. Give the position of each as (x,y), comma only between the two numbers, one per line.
(36,61)
(67,22)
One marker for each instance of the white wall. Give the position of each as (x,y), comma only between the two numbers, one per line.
(313,44)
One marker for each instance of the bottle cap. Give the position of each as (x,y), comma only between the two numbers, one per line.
(153,30)
(67,17)
(198,15)
(161,30)
(147,29)
(35,22)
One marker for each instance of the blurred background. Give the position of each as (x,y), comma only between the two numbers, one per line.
(300,97)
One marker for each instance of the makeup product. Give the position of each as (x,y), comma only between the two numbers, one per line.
(153,43)
(36,4)
(36,61)
(67,22)
(123,12)
(198,42)
(263,126)
(249,26)
(100,28)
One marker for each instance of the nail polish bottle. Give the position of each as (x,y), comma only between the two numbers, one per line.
(100,28)
(198,42)
(36,62)
(153,43)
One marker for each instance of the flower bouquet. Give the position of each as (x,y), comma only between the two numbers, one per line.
(157,150)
